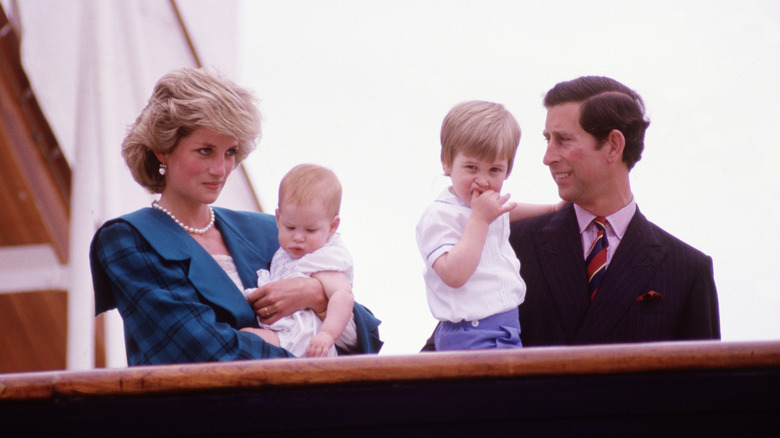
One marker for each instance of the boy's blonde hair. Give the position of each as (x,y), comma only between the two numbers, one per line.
(482,129)
(307,183)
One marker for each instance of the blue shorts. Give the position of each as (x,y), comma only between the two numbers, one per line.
(496,331)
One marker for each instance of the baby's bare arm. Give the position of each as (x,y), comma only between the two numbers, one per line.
(340,302)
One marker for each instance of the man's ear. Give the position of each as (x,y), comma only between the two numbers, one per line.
(615,143)
(334,225)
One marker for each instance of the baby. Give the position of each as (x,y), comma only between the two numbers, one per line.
(307,219)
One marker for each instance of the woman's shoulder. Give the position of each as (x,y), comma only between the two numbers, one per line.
(129,224)
(120,226)
(242,218)
(145,228)
(146,216)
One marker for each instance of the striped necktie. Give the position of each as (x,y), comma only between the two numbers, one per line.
(596,261)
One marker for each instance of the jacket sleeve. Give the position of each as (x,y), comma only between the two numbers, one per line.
(367,330)
(165,319)
(701,318)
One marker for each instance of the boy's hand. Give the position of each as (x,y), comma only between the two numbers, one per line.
(319,345)
(489,205)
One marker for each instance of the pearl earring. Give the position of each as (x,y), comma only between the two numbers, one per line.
(163,168)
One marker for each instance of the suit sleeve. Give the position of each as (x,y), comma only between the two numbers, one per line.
(164,317)
(702,320)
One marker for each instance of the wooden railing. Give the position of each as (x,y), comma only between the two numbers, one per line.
(634,389)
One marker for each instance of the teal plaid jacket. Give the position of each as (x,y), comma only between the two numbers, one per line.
(177,304)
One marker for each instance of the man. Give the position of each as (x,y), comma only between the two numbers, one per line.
(653,287)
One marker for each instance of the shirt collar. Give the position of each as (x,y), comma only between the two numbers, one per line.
(618,220)
(448,197)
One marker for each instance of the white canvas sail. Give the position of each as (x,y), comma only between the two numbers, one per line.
(92,65)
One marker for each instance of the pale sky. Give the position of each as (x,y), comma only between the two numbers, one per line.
(362,87)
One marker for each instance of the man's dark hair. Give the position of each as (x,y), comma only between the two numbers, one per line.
(606,105)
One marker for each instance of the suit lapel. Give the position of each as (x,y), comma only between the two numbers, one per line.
(244,252)
(632,266)
(560,253)
(171,242)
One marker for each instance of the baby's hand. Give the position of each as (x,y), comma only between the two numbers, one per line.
(319,345)
(489,205)
(249,291)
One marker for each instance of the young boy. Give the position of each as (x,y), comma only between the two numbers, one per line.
(472,275)
(307,219)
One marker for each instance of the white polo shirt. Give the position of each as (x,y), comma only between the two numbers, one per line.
(495,286)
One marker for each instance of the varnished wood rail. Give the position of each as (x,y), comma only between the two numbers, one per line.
(718,386)
(551,361)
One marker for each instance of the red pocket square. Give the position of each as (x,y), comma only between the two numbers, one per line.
(650,296)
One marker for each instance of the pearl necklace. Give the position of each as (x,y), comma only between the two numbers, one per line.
(190,230)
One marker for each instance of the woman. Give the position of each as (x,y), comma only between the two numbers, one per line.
(176,271)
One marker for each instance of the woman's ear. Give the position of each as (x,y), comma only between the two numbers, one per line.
(161,157)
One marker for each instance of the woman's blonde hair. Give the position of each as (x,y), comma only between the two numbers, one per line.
(183,101)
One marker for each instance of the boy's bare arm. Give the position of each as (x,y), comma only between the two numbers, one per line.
(456,266)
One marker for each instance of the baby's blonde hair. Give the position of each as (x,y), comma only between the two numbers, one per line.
(307,183)
(482,129)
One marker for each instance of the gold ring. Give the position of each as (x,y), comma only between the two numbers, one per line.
(266,311)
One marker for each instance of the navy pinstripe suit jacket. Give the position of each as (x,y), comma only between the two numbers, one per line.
(176,303)
(657,288)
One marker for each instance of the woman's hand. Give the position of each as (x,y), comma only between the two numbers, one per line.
(278,299)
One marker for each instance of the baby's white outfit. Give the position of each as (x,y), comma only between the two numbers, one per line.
(296,330)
